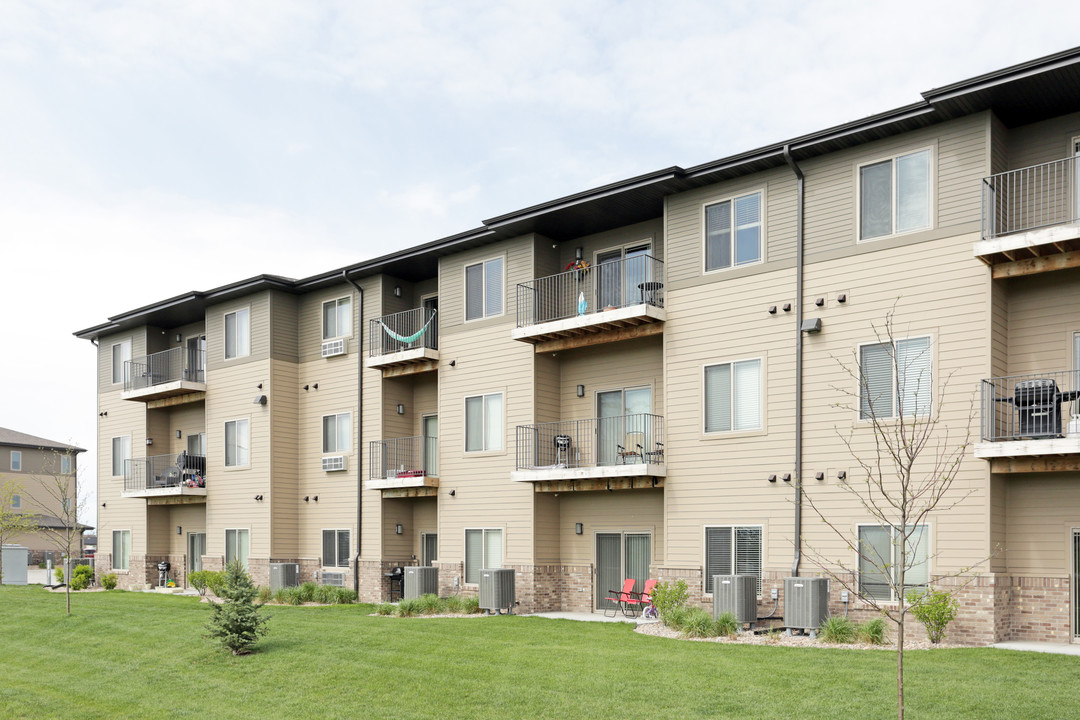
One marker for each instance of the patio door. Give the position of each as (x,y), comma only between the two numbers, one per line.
(429,548)
(431,338)
(196,543)
(617,282)
(619,556)
(195,367)
(430,432)
(614,428)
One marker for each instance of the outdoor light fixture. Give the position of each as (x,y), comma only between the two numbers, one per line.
(179,337)
(400,409)
(179,530)
(178,435)
(397,291)
(259,400)
(399,528)
(578,528)
(578,253)
(149,441)
(581,391)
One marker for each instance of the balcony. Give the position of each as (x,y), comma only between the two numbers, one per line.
(624,452)
(166,479)
(611,301)
(1031,219)
(404,467)
(166,374)
(405,342)
(1026,422)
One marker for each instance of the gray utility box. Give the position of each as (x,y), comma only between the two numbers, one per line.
(283,575)
(806,602)
(497,590)
(736,594)
(15,557)
(421,581)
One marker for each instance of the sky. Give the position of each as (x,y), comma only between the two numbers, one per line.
(152,148)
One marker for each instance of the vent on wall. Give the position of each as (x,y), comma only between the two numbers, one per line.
(330,348)
(333,578)
(334,463)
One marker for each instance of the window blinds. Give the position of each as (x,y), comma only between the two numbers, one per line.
(875,381)
(474,292)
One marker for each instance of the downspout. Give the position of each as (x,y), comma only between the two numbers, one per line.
(799,203)
(359,432)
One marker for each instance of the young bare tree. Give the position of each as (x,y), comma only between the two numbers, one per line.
(58,491)
(13,521)
(906,472)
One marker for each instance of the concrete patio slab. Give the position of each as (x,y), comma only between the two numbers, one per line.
(1043,647)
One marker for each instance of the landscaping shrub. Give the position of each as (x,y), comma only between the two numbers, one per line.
(81,577)
(385,609)
(59,572)
(431,605)
(455,604)
(726,625)
(698,623)
(935,609)
(676,617)
(108,581)
(837,629)
(408,608)
(471,605)
(874,632)
(203,579)
(289,596)
(668,597)
(236,622)
(265,594)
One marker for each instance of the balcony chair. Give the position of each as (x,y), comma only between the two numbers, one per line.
(656,455)
(632,448)
(624,599)
(643,599)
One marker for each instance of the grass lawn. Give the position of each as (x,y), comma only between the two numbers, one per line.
(142,655)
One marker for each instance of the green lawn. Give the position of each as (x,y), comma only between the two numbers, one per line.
(142,655)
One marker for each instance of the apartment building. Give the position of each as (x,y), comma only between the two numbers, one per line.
(35,470)
(650,379)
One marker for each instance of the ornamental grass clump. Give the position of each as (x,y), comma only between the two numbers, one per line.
(837,629)
(873,632)
(727,625)
(235,622)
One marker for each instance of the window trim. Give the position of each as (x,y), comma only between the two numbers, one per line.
(225,454)
(763,389)
(322,316)
(483,298)
(225,337)
(225,555)
(112,559)
(931,199)
(705,230)
(483,430)
(322,430)
(483,551)
(705,552)
(859,419)
(337,532)
(15,454)
(892,545)
(112,357)
(112,461)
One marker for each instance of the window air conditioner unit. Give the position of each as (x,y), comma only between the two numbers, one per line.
(333,578)
(330,348)
(497,590)
(421,581)
(334,463)
(806,603)
(736,594)
(283,575)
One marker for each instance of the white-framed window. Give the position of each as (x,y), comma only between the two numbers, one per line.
(16,461)
(732,396)
(335,548)
(879,560)
(121,355)
(894,195)
(483,550)
(238,333)
(121,549)
(733,232)
(895,378)
(484,289)
(65,464)
(237,545)
(121,453)
(337,318)
(732,550)
(337,433)
(484,422)
(238,443)
(16,502)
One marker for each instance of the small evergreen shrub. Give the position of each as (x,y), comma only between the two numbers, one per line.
(108,581)
(726,625)
(935,609)
(235,622)
(81,577)
(837,629)
(873,632)
(668,597)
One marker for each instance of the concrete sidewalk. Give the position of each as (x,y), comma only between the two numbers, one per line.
(591,617)
(1043,647)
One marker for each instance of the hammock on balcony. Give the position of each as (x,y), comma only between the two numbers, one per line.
(408,338)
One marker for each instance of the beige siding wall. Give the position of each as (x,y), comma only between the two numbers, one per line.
(1044,312)
(1042,510)
(1043,141)
(39,484)
(650,232)
(611,366)
(631,511)
(115,512)
(137,337)
(259,305)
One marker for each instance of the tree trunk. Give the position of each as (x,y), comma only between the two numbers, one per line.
(900,669)
(67,594)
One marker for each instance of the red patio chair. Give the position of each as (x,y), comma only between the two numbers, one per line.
(644,598)
(623,599)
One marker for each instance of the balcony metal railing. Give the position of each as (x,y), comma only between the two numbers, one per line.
(607,286)
(165,367)
(1029,407)
(404,458)
(593,442)
(406,330)
(165,471)
(1031,198)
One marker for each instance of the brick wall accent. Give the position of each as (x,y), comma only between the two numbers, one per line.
(1039,609)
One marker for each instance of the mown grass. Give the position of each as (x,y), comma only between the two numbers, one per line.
(142,655)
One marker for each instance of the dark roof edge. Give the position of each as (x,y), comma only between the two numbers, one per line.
(51,445)
(996,77)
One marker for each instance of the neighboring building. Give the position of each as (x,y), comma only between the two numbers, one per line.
(34,463)
(487,400)
(89,545)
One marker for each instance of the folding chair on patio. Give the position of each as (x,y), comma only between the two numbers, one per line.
(624,599)
(644,599)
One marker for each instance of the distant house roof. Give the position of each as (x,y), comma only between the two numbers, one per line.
(18,439)
(89,539)
(55,523)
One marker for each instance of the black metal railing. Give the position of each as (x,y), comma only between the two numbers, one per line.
(1031,198)
(165,367)
(405,330)
(608,286)
(1029,407)
(403,458)
(592,442)
(165,471)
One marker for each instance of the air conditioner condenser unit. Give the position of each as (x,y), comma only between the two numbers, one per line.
(421,581)
(497,590)
(736,594)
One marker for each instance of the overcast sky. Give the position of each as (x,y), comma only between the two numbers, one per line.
(151,148)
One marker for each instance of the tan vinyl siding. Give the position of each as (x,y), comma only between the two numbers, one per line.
(286,450)
(104,354)
(999,146)
(612,366)
(1044,312)
(115,512)
(547,401)
(259,304)
(1043,141)
(285,318)
(650,232)
(1042,509)
(518,266)
(637,511)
